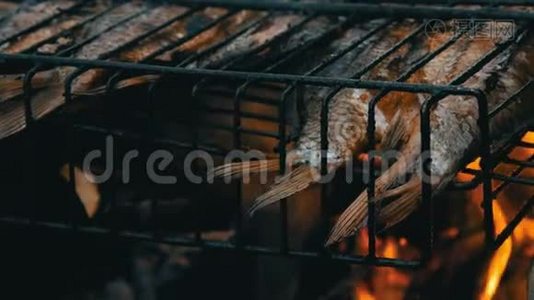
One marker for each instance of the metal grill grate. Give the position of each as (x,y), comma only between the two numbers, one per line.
(292,84)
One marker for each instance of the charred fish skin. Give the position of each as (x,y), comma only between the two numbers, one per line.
(454,133)
(288,43)
(210,37)
(115,15)
(173,33)
(254,38)
(56,26)
(29,15)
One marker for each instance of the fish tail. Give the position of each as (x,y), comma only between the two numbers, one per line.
(237,169)
(295,181)
(13,87)
(396,133)
(408,196)
(13,113)
(354,217)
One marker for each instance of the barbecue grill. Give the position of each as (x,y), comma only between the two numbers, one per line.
(288,90)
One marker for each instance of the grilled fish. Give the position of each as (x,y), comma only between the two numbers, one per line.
(254,38)
(227,54)
(454,131)
(347,122)
(11,85)
(108,43)
(210,37)
(171,34)
(200,42)
(29,15)
(58,25)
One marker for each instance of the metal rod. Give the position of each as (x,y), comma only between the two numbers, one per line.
(124,234)
(509,229)
(387,10)
(240,75)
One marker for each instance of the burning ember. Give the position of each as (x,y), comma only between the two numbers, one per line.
(504,273)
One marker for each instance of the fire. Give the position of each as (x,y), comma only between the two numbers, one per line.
(390,283)
(522,235)
(385,282)
(499,260)
(362,292)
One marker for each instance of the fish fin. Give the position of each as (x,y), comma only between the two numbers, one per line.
(13,116)
(353,218)
(237,169)
(396,133)
(14,87)
(123,84)
(293,182)
(409,196)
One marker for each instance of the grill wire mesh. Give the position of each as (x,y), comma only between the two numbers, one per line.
(289,88)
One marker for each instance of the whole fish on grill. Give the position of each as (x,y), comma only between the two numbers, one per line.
(347,121)
(30,14)
(454,132)
(11,85)
(107,44)
(201,41)
(224,55)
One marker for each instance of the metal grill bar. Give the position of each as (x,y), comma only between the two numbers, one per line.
(384,262)
(389,10)
(241,75)
(509,229)
(371,127)
(224,42)
(93,37)
(510,100)
(240,91)
(293,83)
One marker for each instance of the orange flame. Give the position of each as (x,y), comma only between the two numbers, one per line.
(521,234)
(362,292)
(499,260)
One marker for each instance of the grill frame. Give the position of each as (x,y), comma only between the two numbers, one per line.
(294,84)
